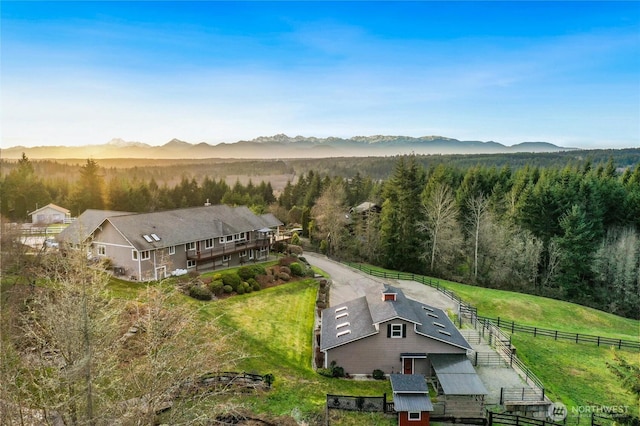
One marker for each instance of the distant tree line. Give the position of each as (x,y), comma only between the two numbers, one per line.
(569,231)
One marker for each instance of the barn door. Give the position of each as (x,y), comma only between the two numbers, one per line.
(408,366)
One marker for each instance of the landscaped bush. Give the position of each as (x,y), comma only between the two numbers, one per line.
(296,269)
(227,289)
(284,276)
(285,270)
(232,279)
(216,287)
(250,271)
(295,239)
(378,374)
(254,284)
(246,287)
(240,289)
(200,293)
(286,261)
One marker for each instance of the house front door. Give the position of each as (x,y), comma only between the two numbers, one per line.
(407,365)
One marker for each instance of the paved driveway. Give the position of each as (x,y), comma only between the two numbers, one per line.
(348,283)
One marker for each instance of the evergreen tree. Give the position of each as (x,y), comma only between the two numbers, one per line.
(401,236)
(89,189)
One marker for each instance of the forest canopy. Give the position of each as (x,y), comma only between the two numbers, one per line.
(564,225)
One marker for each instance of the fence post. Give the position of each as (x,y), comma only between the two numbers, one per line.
(501,396)
(384,402)
(498,322)
(476,362)
(577,337)
(513,324)
(491,414)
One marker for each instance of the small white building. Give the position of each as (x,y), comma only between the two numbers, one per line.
(49,214)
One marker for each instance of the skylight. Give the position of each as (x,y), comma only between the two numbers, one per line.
(342,333)
(439,325)
(342,315)
(426,308)
(341,308)
(446,333)
(432,315)
(148,238)
(155,237)
(344,324)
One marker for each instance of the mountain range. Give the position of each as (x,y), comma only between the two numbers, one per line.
(281,146)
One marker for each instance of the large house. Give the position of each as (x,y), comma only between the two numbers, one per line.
(151,246)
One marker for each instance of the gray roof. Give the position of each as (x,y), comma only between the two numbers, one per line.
(182,226)
(80,230)
(412,403)
(358,317)
(371,310)
(408,383)
(456,375)
(173,227)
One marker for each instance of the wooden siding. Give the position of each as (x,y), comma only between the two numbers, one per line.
(403,419)
(381,352)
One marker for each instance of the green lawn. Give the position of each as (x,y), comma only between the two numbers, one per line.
(275,327)
(576,375)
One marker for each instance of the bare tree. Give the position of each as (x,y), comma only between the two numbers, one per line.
(478,209)
(95,360)
(330,213)
(441,211)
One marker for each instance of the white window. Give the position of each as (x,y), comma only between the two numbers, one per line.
(414,415)
(145,255)
(229,238)
(208,244)
(190,246)
(172,250)
(226,258)
(191,264)
(251,254)
(242,236)
(134,254)
(221,240)
(102,250)
(243,253)
(396,331)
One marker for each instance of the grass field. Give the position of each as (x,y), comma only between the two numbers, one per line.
(275,327)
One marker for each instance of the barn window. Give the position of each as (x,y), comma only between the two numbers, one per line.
(414,415)
(396,331)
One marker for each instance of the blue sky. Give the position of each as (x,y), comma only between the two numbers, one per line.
(76,73)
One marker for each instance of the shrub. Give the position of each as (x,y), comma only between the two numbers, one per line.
(216,287)
(284,276)
(296,269)
(247,288)
(327,372)
(200,293)
(254,284)
(286,261)
(294,249)
(285,269)
(323,246)
(240,289)
(295,239)
(231,279)
(227,288)
(245,273)
(378,374)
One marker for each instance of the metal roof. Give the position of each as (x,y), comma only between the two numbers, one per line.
(412,403)
(408,383)
(456,375)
